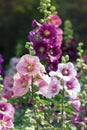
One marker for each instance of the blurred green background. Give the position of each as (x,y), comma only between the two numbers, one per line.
(16,17)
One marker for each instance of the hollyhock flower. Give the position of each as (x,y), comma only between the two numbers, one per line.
(70,47)
(34,36)
(7,122)
(42,69)
(43,81)
(41,49)
(21,85)
(8,82)
(76,103)
(48,32)
(59,31)
(53,88)
(28,65)
(6,115)
(11,112)
(14,61)
(6,93)
(8,87)
(35,23)
(76,119)
(1,61)
(1,116)
(52,65)
(55,19)
(4,107)
(72,87)
(65,71)
(59,37)
(85,58)
(72,52)
(10,73)
(54,53)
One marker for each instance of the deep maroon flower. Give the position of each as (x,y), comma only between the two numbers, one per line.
(41,49)
(54,53)
(70,48)
(1,116)
(52,65)
(48,32)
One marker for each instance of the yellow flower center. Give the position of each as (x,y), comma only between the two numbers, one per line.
(24,84)
(51,52)
(2,108)
(65,72)
(46,33)
(30,67)
(53,22)
(42,50)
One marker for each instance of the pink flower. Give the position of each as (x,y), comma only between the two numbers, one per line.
(42,69)
(21,84)
(28,65)
(53,88)
(4,107)
(72,87)
(13,62)
(8,82)
(8,87)
(55,19)
(6,93)
(7,122)
(43,81)
(65,71)
(76,119)
(76,103)
(6,115)
(59,36)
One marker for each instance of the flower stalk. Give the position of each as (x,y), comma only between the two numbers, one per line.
(63,109)
(34,105)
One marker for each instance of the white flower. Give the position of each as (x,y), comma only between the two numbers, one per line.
(72,87)
(65,71)
(53,88)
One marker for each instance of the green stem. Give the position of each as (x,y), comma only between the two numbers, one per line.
(63,109)
(34,108)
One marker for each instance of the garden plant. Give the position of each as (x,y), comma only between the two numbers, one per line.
(46,88)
